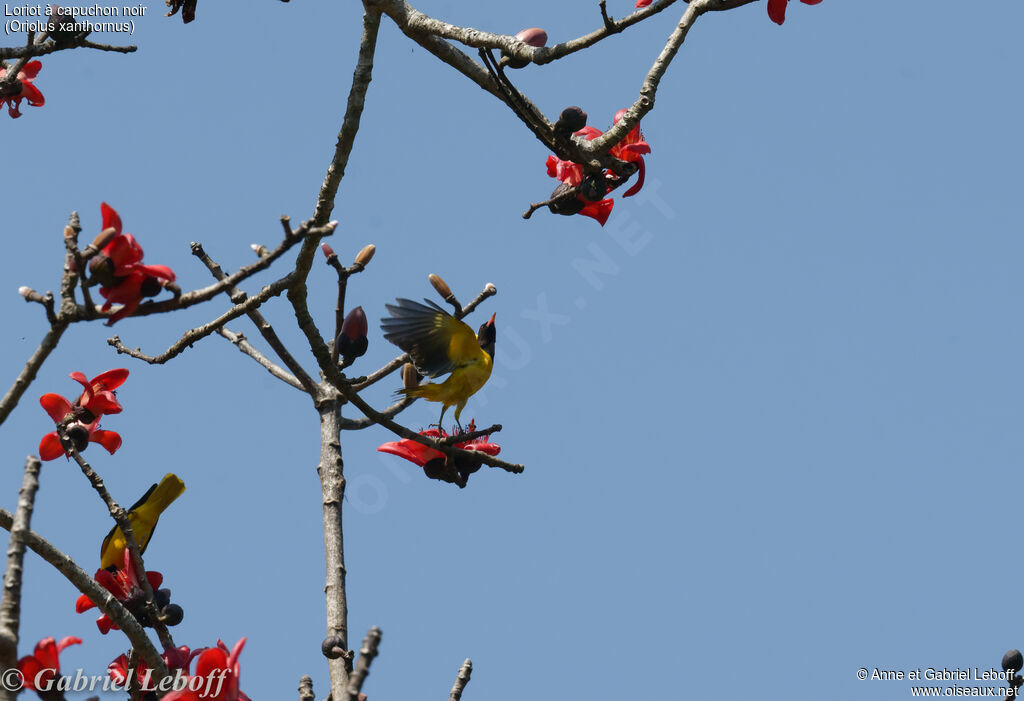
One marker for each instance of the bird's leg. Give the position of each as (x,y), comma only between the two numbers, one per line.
(440,421)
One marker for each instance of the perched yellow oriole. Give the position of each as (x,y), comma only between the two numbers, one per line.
(438,343)
(143,517)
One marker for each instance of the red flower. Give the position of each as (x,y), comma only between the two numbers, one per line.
(84,415)
(28,91)
(631,149)
(125,586)
(643,3)
(120,271)
(219,671)
(777,9)
(42,667)
(433,461)
(174,658)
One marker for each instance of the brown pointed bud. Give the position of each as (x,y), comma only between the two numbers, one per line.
(366,255)
(328,251)
(572,119)
(410,378)
(441,286)
(260,250)
(102,238)
(534,36)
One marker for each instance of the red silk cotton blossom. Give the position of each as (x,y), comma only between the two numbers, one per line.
(124,584)
(124,279)
(216,677)
(84,415)
(27,91)
(631,149)
(433,461)
(42,667)
(777,9)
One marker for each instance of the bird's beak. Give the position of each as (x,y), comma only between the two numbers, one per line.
(491,322)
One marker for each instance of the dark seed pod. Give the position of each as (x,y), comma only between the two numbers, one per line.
(565,202)
(333,647)
(534,36)
(172,615)
(163,597)
(593,188)
(150,287)
(352,342)
(1013,661)
(572,119)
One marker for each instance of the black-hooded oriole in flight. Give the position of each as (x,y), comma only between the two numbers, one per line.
(438,343)
(143,517)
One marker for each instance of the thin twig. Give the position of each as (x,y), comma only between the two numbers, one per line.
(193,335)
(10,608)
(366,654)
(461,680)
(306,688)
(245,347)
(391,412)
(262,325)
(28,373)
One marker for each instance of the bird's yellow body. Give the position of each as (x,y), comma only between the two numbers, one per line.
(438,343)
(143,517)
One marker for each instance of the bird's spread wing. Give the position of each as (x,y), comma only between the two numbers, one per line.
(437,342)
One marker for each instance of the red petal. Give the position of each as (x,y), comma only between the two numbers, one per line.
(810,2)
(111,379)
(157,271)
(777,10)
(108,439)
(598,210)
(411,451)
(56,406)
(46,653)
(155,579)
(552,164)
(67,642)
(639,180)
(590,132)
(30,668)
(31,70)
(110,219)
(50,447)
(211,660)
(83,604)
(31,93)
(103,403)
(643,3)
(105,624)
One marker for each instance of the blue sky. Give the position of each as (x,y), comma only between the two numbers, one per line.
(775,440)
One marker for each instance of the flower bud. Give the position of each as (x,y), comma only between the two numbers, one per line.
(572,119)
(172,615)
(410,377)
(1013,661)
(103,238)
(261,250)
(441,286)
(333,647)
(352,342)
(24,291)
(328,251)
(534,36)
(162,598)
(101,270)
(366,255)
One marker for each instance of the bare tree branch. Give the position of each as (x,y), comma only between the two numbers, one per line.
(10,607)
(366,654)
(243,345)
(193,335)
(332,487)
(28,374)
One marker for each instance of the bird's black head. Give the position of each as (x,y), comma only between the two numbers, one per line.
(486,336)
